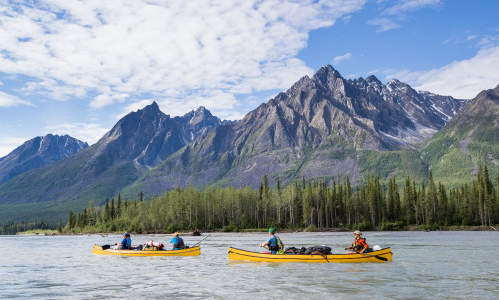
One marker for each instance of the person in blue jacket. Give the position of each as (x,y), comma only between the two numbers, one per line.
(126,242)
(274,243)
(177,241)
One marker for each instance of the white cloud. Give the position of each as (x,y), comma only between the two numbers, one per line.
(341,58)
(86,132)
(111,51)
(384,24)
(398,11)
(460,79)
(489,41)
(409,5)
(7,100)
(9,143)
(106,99)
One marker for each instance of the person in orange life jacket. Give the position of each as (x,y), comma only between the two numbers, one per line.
(274,243)
(177,241)
(359,244)
(126,242)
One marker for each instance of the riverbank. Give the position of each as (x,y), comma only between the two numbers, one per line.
(39,232)
(49,232)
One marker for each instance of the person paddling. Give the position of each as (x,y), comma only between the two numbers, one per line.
(274,243)
(359,244)
(177,241)
(126,242)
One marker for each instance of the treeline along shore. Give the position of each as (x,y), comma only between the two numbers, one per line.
(312,204)
(304,204)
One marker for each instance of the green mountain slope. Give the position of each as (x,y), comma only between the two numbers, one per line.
(471,139)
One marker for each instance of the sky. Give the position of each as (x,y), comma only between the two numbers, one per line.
(76,67)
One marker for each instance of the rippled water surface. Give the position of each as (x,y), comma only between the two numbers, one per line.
(449,265)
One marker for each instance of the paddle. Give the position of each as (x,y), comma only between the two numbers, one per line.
(381,258)
(200,241)
(376,256)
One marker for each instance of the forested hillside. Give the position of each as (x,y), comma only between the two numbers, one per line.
(313,204)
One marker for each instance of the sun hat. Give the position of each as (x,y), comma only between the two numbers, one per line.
(176,234)
(357,232)
(272,230)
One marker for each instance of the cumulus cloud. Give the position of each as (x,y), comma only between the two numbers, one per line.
(9,143)
(397,10)
(87,132)
(409,5)
(7,100)
(460,79)
(343,57)
(116,50)
(106,99)
(383,24)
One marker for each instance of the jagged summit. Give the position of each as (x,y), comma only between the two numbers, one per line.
(396,111)
(38,152)
(373,79)
(154,106)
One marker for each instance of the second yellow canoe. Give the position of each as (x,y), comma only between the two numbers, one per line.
(383,255)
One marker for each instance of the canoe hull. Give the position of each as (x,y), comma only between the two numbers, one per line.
(194,251)
(383,255)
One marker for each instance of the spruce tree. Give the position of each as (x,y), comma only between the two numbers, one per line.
(59,226)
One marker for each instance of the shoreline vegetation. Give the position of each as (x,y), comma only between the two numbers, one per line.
(53,232)
(329,204)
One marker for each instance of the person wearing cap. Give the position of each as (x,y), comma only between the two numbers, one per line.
(177,241)
(126,242)
(359,244)
(274,243)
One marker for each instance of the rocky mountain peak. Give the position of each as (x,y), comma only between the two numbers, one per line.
(200,115)
(327,74)
(330,79)
(373,79)
(396,84)
(153,107)
(38,152)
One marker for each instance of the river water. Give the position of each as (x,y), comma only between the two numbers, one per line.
(449,265)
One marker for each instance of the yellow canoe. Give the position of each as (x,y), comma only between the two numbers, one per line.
(194,251)
(383,255)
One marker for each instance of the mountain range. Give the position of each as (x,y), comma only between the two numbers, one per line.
(322,126)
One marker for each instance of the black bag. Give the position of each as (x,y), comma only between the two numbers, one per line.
(324,250)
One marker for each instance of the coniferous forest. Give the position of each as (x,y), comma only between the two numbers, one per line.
(313,204)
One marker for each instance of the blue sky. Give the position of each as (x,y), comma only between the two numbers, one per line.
(75,67)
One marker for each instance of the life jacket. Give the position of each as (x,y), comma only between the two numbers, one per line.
(357,245)
(179,244)
(278,246)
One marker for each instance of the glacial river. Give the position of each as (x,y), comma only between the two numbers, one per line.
(426,265)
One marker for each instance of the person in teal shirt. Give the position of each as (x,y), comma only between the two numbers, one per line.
(126,242)
(274,243)
(177,241)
